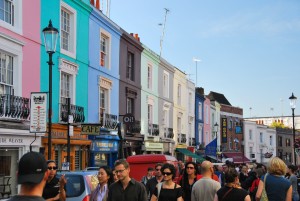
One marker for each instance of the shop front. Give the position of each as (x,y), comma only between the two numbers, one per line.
(104,152)
(154,147)
(15,141)
(79,147)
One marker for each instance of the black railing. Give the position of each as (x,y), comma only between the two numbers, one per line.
(76,111)
(181,138)
(134,128)
(14,107)
(168,133)
(108,121)
(153,129)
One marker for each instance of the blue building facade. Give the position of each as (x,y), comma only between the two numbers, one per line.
(103,87)
(199,117)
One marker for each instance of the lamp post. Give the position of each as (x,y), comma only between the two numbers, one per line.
(293,100)
(50,40)
(196,60)
(216,130)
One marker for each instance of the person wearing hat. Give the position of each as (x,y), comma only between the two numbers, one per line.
(55,188)
(32,176)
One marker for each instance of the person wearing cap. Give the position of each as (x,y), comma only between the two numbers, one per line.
(54,189)
(32,176)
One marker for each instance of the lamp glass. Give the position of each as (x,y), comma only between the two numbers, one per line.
(216,126)
(50,38)
(293,100)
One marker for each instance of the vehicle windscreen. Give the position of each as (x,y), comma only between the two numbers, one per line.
(75,185)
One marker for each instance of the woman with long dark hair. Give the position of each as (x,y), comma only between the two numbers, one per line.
(189,177)
(105,177)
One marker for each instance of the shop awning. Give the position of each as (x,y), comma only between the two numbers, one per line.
(237,157)
(190,154)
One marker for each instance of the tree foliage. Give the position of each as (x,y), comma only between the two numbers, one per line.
(278,125)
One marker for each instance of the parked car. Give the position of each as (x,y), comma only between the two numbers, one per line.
(91,169)
(80,184)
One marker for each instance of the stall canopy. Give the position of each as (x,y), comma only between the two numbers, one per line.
(237,157)
(190,154)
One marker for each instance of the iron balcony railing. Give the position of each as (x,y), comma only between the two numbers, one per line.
(14,107)
(76,111)
(181,138)
(153,129)
(134,128)
(108,121)
(168,133)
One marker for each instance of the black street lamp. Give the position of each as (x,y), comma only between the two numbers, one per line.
(216,130)
(50,40)
(293,100)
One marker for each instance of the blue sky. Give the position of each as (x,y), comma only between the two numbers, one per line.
(249,50)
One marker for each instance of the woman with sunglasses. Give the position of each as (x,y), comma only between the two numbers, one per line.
(189,177)
(105,178)
(168,189)
(54,188)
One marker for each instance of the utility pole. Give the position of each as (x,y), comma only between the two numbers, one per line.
(163,32)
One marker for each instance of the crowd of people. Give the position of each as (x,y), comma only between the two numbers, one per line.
(204,182)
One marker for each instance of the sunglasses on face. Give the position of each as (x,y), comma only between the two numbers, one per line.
(52,168)
(167,173)
(157,169)
(190,168)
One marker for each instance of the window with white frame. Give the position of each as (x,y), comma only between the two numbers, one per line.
(6,73)
(251,150)
(130,66)
(105,49)
(261,137)
(271,140)
(65,87)
(150,114)
(190,103)
(166,85)
(166,118)
(103,100)
(250,134)
(105,86)
(11,15)
(206,114)
(178,125)
(179,94)
(68,73)
(149,75)
(68,30)
(7,11)
(129,105)
(200,111)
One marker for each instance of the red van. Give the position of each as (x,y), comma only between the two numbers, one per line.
(139,164)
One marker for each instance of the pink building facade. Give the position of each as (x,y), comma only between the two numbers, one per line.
(207,136)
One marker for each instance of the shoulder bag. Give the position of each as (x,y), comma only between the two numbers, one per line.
(264,196)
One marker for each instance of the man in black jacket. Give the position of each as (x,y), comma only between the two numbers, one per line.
(151,184)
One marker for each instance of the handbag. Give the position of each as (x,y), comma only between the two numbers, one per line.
(264,196)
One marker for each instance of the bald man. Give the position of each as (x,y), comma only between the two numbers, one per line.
(206,187)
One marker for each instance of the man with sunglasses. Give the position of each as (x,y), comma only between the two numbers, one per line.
(126,189)
(55,188)
(151,184)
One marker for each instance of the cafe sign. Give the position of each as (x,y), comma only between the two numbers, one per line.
(90,129)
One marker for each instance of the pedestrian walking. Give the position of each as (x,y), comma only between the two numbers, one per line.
(126,189)
(292,169)
(276,186)
(148,176)
(105,178)
(151,184)
(232,189)
(167,190)
(55,187)
(206,187)
(32,177)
